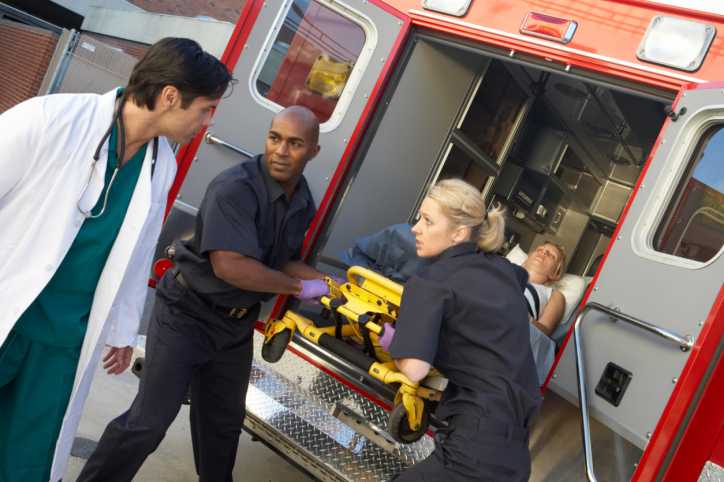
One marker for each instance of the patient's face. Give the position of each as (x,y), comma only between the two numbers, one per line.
(545,259)
(433,231)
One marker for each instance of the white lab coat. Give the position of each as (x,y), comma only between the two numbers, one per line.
(46,150)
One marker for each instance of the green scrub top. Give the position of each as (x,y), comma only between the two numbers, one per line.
(59,315)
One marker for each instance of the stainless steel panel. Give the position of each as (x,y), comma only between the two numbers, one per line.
(591,246)
(582,185)
(711,473)
(624,173)
(543,149)
(294,402)
(610,201)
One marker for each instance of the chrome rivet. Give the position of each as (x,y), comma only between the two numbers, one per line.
(648,434)
(674,380)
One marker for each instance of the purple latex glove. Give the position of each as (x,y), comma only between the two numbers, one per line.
(388,332)
(313,289)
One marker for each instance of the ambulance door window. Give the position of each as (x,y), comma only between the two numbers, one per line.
(312,58)
(693,224)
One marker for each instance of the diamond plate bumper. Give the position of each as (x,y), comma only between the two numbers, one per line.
(291,406)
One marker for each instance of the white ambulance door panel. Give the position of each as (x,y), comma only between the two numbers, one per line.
(325,54)
(665,268)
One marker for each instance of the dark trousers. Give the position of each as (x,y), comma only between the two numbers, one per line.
(188,343)
(474,448)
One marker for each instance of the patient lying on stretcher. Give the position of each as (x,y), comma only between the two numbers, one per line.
(391,252)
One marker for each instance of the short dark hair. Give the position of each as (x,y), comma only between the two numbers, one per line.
(179,62)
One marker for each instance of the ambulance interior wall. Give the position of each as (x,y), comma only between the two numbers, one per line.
(431,97)
(405,143)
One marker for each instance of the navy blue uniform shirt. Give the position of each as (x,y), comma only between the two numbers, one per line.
(245,211)
(465,314)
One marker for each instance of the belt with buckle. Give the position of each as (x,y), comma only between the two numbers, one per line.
(237,313)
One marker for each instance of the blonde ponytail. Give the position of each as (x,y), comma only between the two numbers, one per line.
(464,206)
(492,233)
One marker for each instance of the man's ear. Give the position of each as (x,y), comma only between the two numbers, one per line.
(314,153)
(169,97)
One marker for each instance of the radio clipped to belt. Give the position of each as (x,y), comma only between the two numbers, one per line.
(161,265)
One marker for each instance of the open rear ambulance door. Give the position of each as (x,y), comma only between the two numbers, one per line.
(328,55)
(333,56)
(649,337)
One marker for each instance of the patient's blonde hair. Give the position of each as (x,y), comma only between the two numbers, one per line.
(464,206)
(561,262)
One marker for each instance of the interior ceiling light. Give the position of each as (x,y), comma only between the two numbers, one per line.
(675,42)
(457,8)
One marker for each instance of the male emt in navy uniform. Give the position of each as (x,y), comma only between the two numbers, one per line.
(245,249)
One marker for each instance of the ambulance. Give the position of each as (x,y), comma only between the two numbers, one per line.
(598,124)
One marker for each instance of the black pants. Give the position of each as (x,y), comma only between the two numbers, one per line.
(474,448)
(188,343)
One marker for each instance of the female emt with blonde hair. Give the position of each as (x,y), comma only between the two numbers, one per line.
(465,314)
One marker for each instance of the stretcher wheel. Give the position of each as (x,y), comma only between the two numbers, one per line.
(398,427)
(273,349)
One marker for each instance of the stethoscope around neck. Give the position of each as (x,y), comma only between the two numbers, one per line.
(117,117)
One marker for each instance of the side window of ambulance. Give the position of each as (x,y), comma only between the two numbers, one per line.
(311,58)
(693,224)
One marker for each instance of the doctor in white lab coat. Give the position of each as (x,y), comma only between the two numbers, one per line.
(51,189)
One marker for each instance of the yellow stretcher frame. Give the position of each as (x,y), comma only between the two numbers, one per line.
(367,300)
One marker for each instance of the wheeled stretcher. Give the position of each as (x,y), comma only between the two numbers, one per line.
(359,308)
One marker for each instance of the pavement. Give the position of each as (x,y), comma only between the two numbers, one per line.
(556,446)
(173,461)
